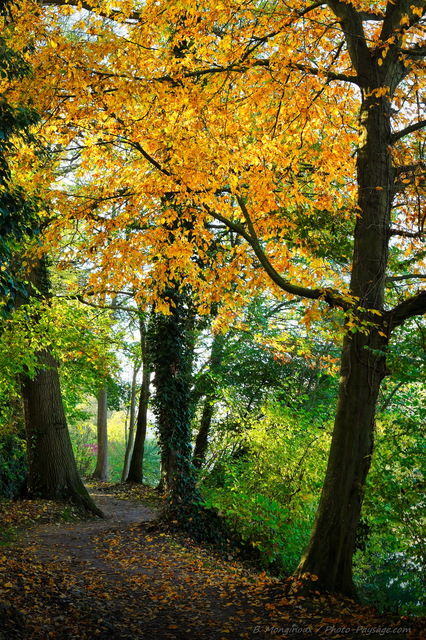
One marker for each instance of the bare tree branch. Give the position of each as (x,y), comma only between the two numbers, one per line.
(418,51)
(416,126)
(408,277)
(114,14)
(406,234)
(366,16)
(352,26)
(415,306)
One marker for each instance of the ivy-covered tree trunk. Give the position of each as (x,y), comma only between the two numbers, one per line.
(101,469)
(170,345)
(135,473)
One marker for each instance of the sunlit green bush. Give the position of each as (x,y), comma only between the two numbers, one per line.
(268,486)
(390,571)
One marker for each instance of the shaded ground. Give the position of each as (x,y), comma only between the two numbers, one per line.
(119,580)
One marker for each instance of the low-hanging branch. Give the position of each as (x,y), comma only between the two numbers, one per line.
(330,296)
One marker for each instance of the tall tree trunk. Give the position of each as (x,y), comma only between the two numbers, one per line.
(171,349)
(101,469)
(201,441)
(52,470)
(363,365)
(135,473)
(130,438)
(331,546)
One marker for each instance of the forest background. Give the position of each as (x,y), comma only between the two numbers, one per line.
(193,175)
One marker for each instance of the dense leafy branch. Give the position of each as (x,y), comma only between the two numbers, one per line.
(326,73)
(399,13)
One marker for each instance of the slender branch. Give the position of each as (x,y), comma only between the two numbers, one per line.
(387,401)
(265,38)
(118,307)
(311,7)
(115,307)
(408,277)
(146,155)
(410,129)
(113,14)
(328,74)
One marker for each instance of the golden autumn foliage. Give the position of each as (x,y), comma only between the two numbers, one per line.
(239,114)
(212,108)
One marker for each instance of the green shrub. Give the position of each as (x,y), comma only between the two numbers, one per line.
(389,571)
(151,463)
(390,581)
(116,450)
(13,464)
(268,493)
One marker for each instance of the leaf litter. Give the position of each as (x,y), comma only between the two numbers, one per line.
(71,578)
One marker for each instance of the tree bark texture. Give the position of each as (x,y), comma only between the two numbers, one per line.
(331,546)
(202,439)
(101,469)
(135,473)
(52,470)
(210,396)
(130,436)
